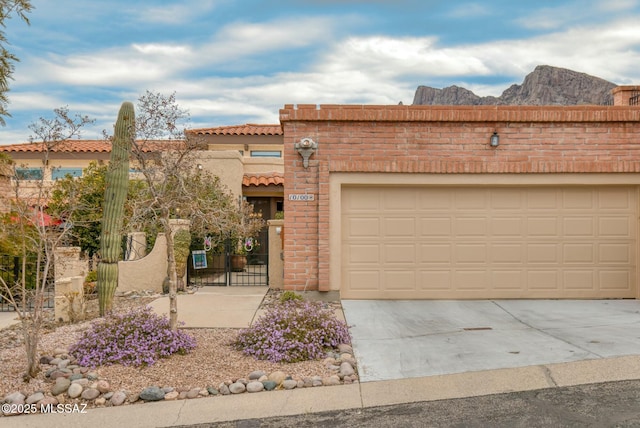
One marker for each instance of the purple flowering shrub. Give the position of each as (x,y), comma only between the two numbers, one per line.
(293,331)
(136,338)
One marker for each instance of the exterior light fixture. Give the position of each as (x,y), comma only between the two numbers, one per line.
(495,140)
(306,147)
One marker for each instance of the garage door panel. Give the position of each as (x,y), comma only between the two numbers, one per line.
(483,242)
(615,226)
(362,227)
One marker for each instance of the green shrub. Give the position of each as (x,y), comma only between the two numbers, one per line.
(289,295)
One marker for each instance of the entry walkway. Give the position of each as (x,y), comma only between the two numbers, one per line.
(215,306)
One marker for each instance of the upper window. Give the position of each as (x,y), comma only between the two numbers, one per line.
(29,173)
(58,173)
(266,154)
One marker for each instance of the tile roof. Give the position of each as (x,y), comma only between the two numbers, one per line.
(69,146)
(248,129)
(77,146)
(263,179)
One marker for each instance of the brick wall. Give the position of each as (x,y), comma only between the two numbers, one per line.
(438,140)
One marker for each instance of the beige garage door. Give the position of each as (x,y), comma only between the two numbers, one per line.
(481,243)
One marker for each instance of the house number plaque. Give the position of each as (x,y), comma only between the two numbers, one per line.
(302,197)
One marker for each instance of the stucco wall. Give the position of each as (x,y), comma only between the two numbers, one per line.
(437,140)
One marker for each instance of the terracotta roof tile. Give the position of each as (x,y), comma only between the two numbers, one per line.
(248,129)
(77,146)
(263,179)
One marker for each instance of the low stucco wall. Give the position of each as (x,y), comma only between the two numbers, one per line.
(147,273)
(276,262)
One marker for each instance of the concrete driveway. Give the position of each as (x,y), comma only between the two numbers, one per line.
(406,339)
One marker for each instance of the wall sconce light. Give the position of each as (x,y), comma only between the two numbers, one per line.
(306,147)
(495,140)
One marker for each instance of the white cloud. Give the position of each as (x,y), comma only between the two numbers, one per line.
(178,13)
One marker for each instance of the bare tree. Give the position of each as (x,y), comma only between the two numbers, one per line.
(8,59)
(174,185)
(36,233)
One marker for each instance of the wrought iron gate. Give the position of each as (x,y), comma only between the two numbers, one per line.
(224,266)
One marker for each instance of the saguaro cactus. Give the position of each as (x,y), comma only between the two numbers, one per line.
(115,193)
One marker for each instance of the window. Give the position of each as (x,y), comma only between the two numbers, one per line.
(29,173)
(58,173)
(266,153)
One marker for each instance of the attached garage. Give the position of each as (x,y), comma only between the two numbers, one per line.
(463,202)
(477,242)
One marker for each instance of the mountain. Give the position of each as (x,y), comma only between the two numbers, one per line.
(546,85)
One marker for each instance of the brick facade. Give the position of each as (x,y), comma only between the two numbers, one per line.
(437,140)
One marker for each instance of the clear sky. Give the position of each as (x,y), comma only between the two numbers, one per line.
(234,62)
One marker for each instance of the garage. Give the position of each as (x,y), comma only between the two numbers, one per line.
(488,242)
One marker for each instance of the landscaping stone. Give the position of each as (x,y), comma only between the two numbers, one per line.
(61,386)
(269,385)
(331,381)
(34,398)
(278,377)
(346,369)
(90,394)
(289,384)
(118,398)
(14,398)
(255,386)
(212,391)
(172,395)
(152,393)
(193,392)
(100,401)
(74,391)
(256,375)
(103,386)
(237,388)
(224,389)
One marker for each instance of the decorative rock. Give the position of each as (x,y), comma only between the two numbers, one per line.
(58,373)
(108,395)
(117,399)
(212,391)
(133,397)
(103,386)
(300,383)
(269,385)
(61,386)
(256,375)
(193,392)
(48,400)
(182,395)
(278,377)
(346,369)
(90,394)
(255,386)
(237,388)
(168,389)
(55,361)
(34,398)
(316,382)
(289,384)
(331,380)
(203,392)
(308,382)
(45,360)
(76,377)
(92,376)
(100,401)
(74,391)
(224,389)
(15,398)
(344,348)
(263,378)
(169,396)
(63,364)
(152,393)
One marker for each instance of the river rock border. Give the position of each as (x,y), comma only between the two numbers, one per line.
(71,383)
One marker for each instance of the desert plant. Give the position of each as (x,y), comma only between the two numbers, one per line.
(293,331)
(116,186)
(289,295)
(136,338)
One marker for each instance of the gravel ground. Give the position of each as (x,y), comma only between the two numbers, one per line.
(212,362)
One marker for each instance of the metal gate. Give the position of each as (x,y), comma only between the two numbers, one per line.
(231,264)
(11,272)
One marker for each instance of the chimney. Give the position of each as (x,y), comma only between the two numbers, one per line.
(626,96)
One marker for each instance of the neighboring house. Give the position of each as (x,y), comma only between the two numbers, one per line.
(420,202)
(248,159)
